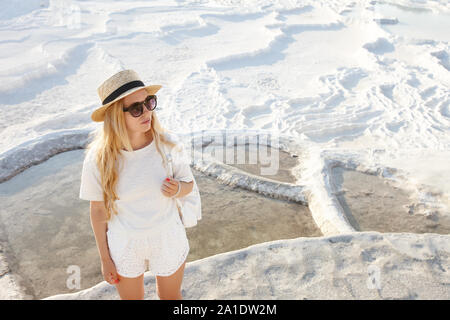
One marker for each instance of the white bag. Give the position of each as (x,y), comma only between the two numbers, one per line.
(189,206)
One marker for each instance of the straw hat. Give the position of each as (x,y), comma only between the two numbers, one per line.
(118,86)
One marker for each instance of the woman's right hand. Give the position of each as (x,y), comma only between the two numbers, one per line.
(109,271)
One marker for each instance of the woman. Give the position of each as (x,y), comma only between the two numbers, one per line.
(133,216)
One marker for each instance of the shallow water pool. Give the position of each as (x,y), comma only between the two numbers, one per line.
(47,230)
(415,23)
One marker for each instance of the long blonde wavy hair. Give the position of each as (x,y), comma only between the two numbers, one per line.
(107,144)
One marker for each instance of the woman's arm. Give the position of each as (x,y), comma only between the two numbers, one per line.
(100,226)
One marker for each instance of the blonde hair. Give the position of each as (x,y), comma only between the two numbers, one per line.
(107,144)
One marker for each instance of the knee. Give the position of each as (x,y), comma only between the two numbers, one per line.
(131,294)
(132,297)
(170,295)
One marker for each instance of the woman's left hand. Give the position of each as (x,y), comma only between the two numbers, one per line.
(169,187)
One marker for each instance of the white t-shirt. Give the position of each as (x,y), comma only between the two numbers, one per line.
(141,206)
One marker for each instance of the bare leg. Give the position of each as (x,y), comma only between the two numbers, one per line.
(169,288)
(131,288)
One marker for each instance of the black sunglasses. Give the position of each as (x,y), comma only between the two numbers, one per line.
(137,108)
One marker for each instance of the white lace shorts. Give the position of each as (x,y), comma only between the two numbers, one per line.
(164,250)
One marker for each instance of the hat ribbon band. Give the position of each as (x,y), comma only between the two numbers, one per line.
(122,89)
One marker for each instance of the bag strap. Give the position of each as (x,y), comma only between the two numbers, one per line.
(169,168)
(170,171)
